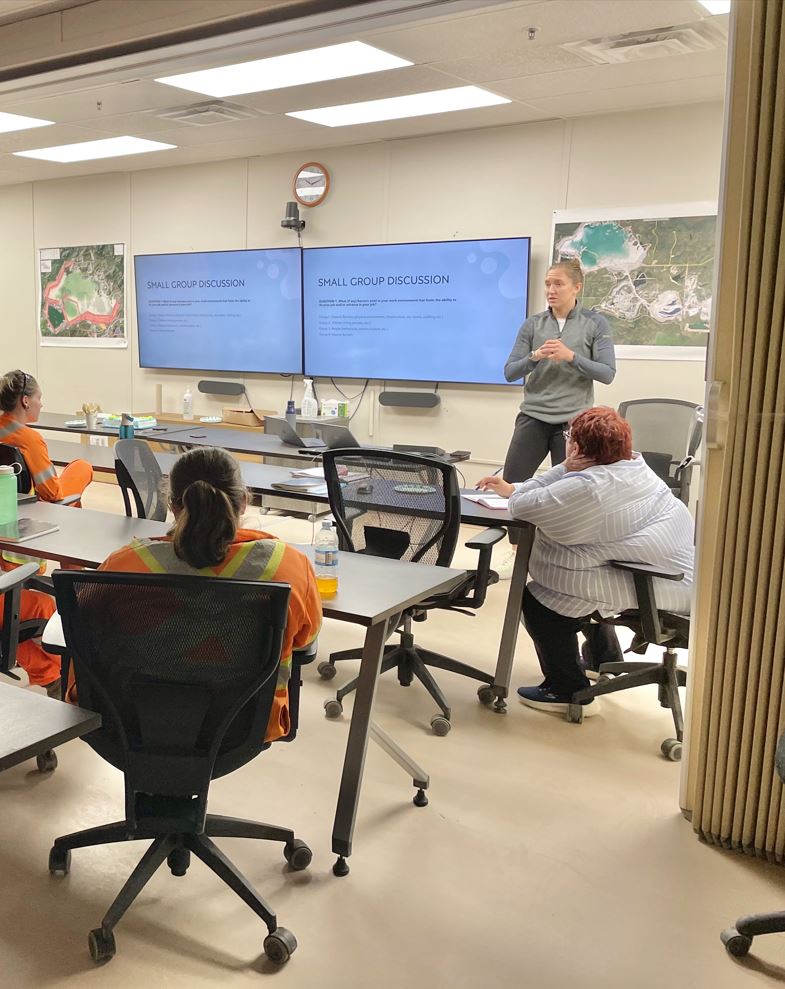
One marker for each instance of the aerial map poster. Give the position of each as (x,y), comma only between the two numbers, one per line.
(82,296)
(649,271)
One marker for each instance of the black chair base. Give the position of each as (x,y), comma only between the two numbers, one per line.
(738,939)
(175,848)
(614,677)
(411,663)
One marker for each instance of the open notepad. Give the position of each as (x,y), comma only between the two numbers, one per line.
(488,500)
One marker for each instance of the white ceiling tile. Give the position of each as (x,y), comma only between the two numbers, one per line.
(662,93)
(114,97)
(596,78)
(512,61)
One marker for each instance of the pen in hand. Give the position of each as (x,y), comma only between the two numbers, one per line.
(494,474)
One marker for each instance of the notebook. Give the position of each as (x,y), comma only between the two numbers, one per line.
(24,529)
(488,500)
(301,484)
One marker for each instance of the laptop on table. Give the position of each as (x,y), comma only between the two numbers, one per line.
(277,426)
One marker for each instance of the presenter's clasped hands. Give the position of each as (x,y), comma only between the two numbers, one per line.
(553,350)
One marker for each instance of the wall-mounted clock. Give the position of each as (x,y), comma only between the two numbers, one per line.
(311,184)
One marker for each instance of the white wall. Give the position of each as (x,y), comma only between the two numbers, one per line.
(487,183)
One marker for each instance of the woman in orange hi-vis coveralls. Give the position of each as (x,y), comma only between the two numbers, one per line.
(207,497)
(20,402)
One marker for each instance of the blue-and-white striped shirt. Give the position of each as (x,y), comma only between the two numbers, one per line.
(584,519)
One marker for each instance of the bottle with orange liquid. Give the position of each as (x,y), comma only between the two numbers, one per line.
(326,560)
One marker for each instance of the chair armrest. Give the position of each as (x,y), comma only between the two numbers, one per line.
(483,542)
(666,573)
(69,500)
(307,654)
(489,537)
(11,579)
(40,582)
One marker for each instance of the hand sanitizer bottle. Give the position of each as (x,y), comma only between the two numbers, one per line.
(310,409)
(188,404)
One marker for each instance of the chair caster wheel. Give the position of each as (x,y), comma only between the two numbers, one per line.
(178,861)
(420,799)
(671,749)
(298,855)
(46,762)
(341,867)
(59,861)
(735,944)
(326,670)
(486,696)
(101,945)
(440,725)
(575,714)
(333,709)
(280,945)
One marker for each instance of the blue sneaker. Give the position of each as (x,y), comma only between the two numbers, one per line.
(542,699)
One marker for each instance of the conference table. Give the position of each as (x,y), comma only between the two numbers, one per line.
(259,478)
(32,724)
(373,592)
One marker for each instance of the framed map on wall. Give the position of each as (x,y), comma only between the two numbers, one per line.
(649,271)
(82,296)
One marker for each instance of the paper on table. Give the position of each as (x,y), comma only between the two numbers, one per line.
(488,501)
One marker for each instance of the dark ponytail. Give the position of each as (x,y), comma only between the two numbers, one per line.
(14,386)
(207,492)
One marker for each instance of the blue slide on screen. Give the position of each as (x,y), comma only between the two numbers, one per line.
(220,310)
(443,311)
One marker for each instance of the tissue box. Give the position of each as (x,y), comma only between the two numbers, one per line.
(246,417)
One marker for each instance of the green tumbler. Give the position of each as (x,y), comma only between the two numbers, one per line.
(8,499)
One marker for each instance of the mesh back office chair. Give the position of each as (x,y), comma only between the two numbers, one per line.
(406,507)
(10,455)
(15,631)
(667,432)
(183,671)
(738,939)
(652,626)
(140,479)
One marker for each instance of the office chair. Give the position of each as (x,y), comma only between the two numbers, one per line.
(738,938)
(15,631)
(10,455)
(140,478)
(667,432)
(652,626)
(183,670)
(406,507)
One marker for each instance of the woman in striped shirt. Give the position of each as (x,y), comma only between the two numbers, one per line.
(603,503)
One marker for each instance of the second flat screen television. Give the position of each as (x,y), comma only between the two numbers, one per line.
(220,310)
(440,311)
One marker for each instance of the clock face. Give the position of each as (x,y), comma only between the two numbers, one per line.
(311,183)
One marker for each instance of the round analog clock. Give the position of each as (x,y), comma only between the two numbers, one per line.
(311,184)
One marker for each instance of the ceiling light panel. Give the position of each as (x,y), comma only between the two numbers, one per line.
(13,121)
(111,147)
(398,107)
(354,58)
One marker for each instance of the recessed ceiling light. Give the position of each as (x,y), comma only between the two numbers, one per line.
(13,121)
(396,107)
(110,147)
(354,58)
(716,6)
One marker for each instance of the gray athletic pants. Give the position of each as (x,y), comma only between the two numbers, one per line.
(532,440)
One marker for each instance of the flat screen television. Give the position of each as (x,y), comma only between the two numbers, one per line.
(221,310)
(437,311)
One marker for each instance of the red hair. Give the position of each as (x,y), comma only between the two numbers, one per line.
(602,435)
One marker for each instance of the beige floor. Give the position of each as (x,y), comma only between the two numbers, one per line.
(550,854)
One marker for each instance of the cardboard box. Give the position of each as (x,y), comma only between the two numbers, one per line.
(246,417)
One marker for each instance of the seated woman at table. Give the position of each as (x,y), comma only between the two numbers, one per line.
(603,503)
(20,402)
(207,498)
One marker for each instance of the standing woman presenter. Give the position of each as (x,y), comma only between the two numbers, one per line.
(559,353)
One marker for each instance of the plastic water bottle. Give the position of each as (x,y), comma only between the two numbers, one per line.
(309,407)
(126,431)
(8,500)
(290,415)
(188,404)
(326,560)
